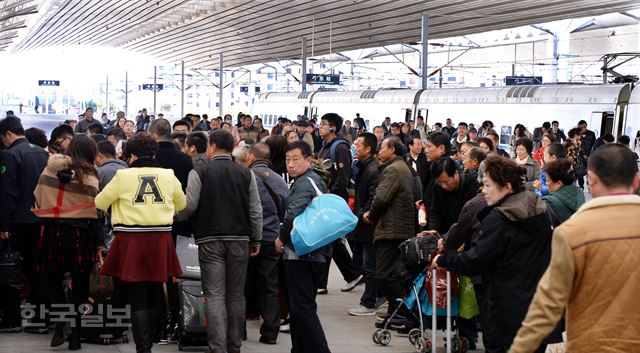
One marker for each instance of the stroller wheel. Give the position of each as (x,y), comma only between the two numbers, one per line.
(464,345)
(375,335)
(384,337)
(415,335)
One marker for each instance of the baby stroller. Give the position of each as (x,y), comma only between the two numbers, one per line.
(428,290)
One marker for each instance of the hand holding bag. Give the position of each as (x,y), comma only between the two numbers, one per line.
(327,218)
(100,287)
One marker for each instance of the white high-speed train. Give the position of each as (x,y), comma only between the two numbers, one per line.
(611,108)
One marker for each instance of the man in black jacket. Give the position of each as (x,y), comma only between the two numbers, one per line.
(169,157)
(227,226)
(22,164)
(338,150)
(417,159)
(363,249)
(588,139)
(451,191)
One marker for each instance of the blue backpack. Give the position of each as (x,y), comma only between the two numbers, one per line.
(326,218)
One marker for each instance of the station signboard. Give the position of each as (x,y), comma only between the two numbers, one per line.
(316,79)
(54,83)
(153,87)
(522,80)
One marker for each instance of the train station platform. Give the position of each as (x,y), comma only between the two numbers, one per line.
(345,333)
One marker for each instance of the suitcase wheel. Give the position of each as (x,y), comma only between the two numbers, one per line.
(106,341)
(180,347)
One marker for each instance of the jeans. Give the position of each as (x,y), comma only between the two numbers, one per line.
(364,257)
(223,266)
(302,281)
(387,259)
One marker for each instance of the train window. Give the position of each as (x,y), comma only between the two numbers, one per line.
(505,135)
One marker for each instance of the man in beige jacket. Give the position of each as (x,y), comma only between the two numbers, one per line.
(595,266)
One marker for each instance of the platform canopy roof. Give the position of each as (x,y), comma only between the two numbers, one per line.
(255,31)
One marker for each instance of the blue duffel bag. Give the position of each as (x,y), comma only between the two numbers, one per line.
(326,218)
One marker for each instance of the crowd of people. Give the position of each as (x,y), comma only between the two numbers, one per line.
(513,220)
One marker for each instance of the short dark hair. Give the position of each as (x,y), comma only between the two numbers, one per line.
(551,137)
(487,141)
(526,143)
(477,154)
(438,124)
(11,124)
(161,128)
(555,122)
(624,139)
(396,125)
(412,141)
(222,139)
(197,139)
(397,145)
(36,136)
(573,132)
(334,120)
(614,164)
(181,137)
(443,165)
(182,122)
(463,124)
(60,131)
(557,149)
(561,170)
(503,171)
(260,150)
(107,149)
(98,137)
(370,140)
(608,137)
(142,145)
(546,125)
(582,122)
(439,139)
(302,146)
(96,128)
(118,133)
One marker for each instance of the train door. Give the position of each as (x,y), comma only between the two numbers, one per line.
(310,111)
(604,121)
(407,115)
(423,113)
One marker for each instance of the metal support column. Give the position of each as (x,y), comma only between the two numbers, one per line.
(182,89)
(424,73)
(304,64)
(107,98)
(221,85)
(604,70)
(126,93)
(155,85)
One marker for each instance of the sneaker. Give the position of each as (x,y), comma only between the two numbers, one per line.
(349,287)
(10,329)
(285,326)
(361,310)
(322,291)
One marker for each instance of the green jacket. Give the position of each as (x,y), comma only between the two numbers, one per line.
(393,207)
(565,201)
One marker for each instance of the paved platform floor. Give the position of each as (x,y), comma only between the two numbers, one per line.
(345,334)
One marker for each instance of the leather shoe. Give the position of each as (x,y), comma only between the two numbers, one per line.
(267,340)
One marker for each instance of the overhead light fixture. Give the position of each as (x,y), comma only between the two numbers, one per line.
(506,37)
(529,35)
(518,36)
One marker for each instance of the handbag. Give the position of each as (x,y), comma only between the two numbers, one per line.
(187,251)
(326,218)
(100,287)
(10,267)
(468,301)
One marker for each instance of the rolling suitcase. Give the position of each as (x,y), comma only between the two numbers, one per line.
(192,322)
(106,322)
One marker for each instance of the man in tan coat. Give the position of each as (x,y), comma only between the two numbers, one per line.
(595,268)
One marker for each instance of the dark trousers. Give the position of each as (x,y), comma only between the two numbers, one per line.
(364,257)
(23,239)
(342,258)
(263,288)
(79,290)
(387,260)
(302,281)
